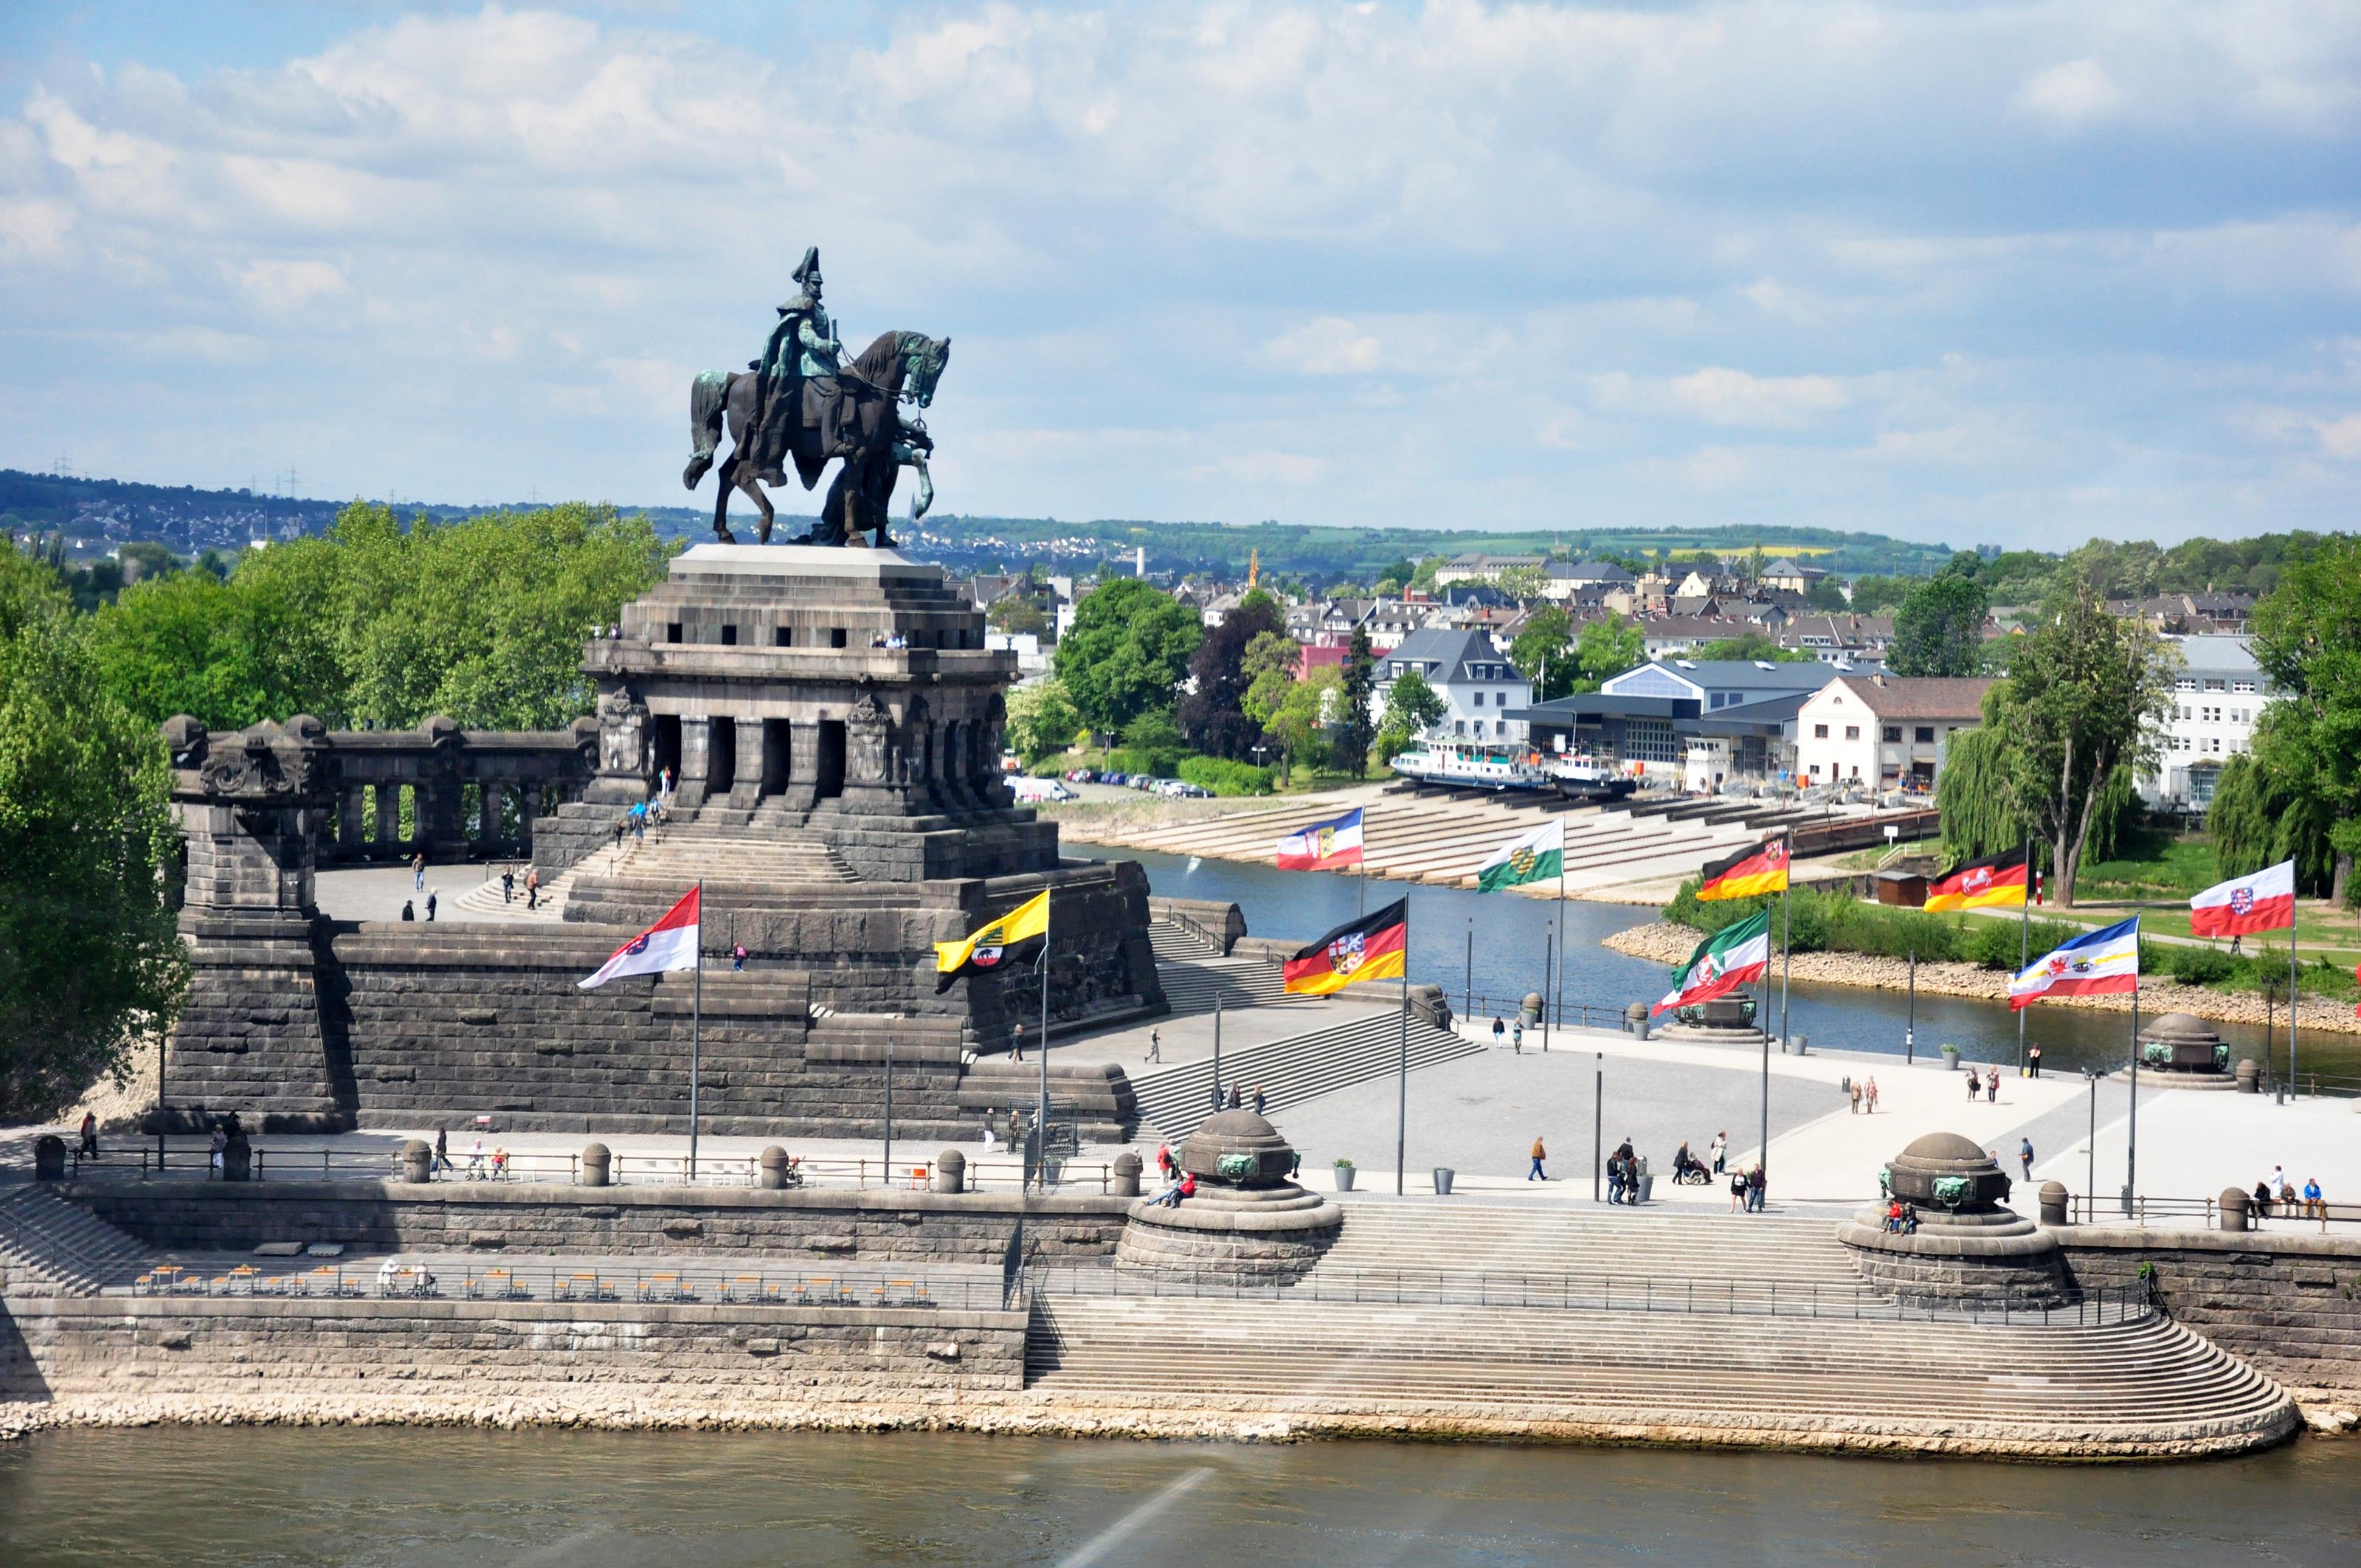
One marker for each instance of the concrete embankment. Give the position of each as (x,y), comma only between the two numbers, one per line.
(1667,943)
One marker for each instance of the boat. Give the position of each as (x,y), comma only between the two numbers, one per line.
(1582,777)
(1470,764)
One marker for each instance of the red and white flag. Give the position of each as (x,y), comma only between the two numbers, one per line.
(669,944)
(2263,902)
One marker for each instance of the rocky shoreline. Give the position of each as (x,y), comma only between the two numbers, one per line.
(1665,942)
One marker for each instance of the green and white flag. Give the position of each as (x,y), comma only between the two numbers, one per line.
(1539,853)
(1736,955)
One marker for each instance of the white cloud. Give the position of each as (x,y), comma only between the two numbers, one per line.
(1723,396)
(288,285)
(2342,438)
(1266,469)
(2071,94)
(1330,345)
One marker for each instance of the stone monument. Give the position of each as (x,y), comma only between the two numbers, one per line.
(1248,1222)
(1724,1021)
(1969,1247)
(2185,1052)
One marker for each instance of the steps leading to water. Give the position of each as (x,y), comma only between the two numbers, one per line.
(64,1246)
(1192,987)
(1176,1099)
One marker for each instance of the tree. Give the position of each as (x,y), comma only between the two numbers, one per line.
(2082,690)
(90,960)
(1269,666)
(1042,721)
(1127,652)
(1974,794)
(1523,584)
(1752,644)
(1826,594)
(1412,708)
(1356,689)
(1019,615)
(1604,650)
(1938,631)
(228,653)
(1152,743)
(1212,716)
(1541,653)
(2308,640)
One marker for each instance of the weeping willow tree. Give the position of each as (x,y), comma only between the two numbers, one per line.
(1978,796)
(2258,819)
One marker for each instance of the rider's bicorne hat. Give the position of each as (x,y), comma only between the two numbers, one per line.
(802,274)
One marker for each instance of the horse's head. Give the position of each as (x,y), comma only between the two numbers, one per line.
(923,359)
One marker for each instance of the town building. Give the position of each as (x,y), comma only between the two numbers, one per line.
(1699,724)
(1886,732)
(1482,568)
(1482,693)
(2217,697)
(1583,580)
(1794,575)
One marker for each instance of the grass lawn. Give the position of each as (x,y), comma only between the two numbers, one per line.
(2150,864)
(2321,932)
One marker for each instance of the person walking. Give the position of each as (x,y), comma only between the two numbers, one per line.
(737,956)
(508,882)
(89,1135)
(1738,1189)
(1517,1037)
(532,888)
(1539,1154)
(2024,1157)
(1720,1151)
(430,905)
(408,912)
(1259,1100)
(2033,1061)
(418,872)
(1853,1096)
(1155,1045)
(442,1150)
(1975,1085)
(1498,1030)
(1615,1178)
(1868,1098)
(1017,1044)
(1991,1086)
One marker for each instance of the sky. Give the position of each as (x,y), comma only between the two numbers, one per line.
(2009,273)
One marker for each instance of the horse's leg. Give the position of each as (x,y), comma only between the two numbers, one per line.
(728,482)
(754,488)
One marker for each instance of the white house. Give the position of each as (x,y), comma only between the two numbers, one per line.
(1884,733)
(2219,695)
(1478,686)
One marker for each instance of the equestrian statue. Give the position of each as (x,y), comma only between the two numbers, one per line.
(803,402)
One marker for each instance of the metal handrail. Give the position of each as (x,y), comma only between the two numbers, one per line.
(658,1282)
(1189,925)
(2085,1209)
(293,1162)
(1481,1007)
(1593,1293)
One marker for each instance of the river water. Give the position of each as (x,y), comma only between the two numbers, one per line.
(435,1498)
(1510,937)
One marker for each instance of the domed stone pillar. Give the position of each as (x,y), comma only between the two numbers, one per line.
(1966,1246)
(1248,1221)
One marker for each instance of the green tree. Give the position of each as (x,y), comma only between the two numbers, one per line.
(1604,650)
(1523,584)
(1152,743)
(1938,631)
(1127,652)
(1826,594)
(1019,615)
(1270,665)
(1752,644)
(90,960)
(145,560)
(228,653)
(1412,706)
(1541,653)
(2082,690)
(2308,640)
(1356,690)
(1042,720)
(1975,794)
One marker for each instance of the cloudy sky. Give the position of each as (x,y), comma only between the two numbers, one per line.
(2011,272)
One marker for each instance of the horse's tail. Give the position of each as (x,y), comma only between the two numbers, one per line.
(709,400)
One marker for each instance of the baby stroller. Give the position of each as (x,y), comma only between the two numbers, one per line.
(1690,1171)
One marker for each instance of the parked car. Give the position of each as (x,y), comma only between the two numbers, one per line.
(1036,790)
(1183,790)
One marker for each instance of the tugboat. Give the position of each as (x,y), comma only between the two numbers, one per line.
(1470,764)
(1585,778)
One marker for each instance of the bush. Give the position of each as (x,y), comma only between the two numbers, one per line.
(1225,777)
(1995,944)
(2188,965)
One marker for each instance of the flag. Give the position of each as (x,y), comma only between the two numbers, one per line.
(1759,869)
(1372,947)
(1724,961)
(1323,845)
(1995,884)
(2263,902)
(992,946)
(1539,853)
(2093,964)
(669,944)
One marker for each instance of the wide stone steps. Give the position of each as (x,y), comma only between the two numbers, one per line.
(1668,1368)
(1173,945)
(69,1249)
(1192,986)
(683,855)
(1741,1253)
(483,901)
(1175,1099)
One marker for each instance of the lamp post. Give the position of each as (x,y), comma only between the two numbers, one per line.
(1910,1033)
(2090,1150)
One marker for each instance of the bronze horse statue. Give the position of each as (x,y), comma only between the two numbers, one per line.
(861,421)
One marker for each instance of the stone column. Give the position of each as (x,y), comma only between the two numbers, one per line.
(488,815)
(695,747)
(803,765)
(746,789)
(389,815)
(348,819)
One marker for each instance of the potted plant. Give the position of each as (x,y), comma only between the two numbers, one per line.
(1951,1058)
(1344,1168)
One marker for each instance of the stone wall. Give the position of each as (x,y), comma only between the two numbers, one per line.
(2288,1303)
(520,1218)
(264,1359)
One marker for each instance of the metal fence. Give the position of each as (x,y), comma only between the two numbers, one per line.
(1592,1293)
(1481,1008)
(293,1162)
(2085,1210)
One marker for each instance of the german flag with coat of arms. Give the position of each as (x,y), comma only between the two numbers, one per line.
(1372,947)
(1762,869)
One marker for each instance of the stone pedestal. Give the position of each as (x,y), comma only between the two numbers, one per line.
(2181,1051)
(1967,1247)
(1724,1021)
(1248,1223)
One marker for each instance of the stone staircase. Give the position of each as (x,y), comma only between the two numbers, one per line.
(2120,1385)
(48,1243)
(483,901)
(1192,985)
(1752,1256)
(1173,944)
(1174,1100)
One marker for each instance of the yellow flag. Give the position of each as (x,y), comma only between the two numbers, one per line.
(987,947)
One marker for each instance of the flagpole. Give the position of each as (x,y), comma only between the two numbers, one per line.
(1786,941)
(1041,1116)
(1557,996)
(2131,1145)
(696,1025)
(1402,1081)
(2291,985)
(2023,946)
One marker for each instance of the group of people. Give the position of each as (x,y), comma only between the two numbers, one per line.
(1513,1033)
(1747,1189)
(1864,1096)
(531,884)
(1988,1084)
(480,1167)
(1240,1100)
(1623,1173)
(1178,1185)
(1901,1218)
(2276,1190)
(642,815)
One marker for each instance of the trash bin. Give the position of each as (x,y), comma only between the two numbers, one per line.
(1844,1085)
(1803,1043)
(1127,1175)
(1442,1175)
(1647,1186)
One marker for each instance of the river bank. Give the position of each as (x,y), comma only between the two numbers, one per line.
(1666,943)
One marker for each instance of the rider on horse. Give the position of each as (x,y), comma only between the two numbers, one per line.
(799,371)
